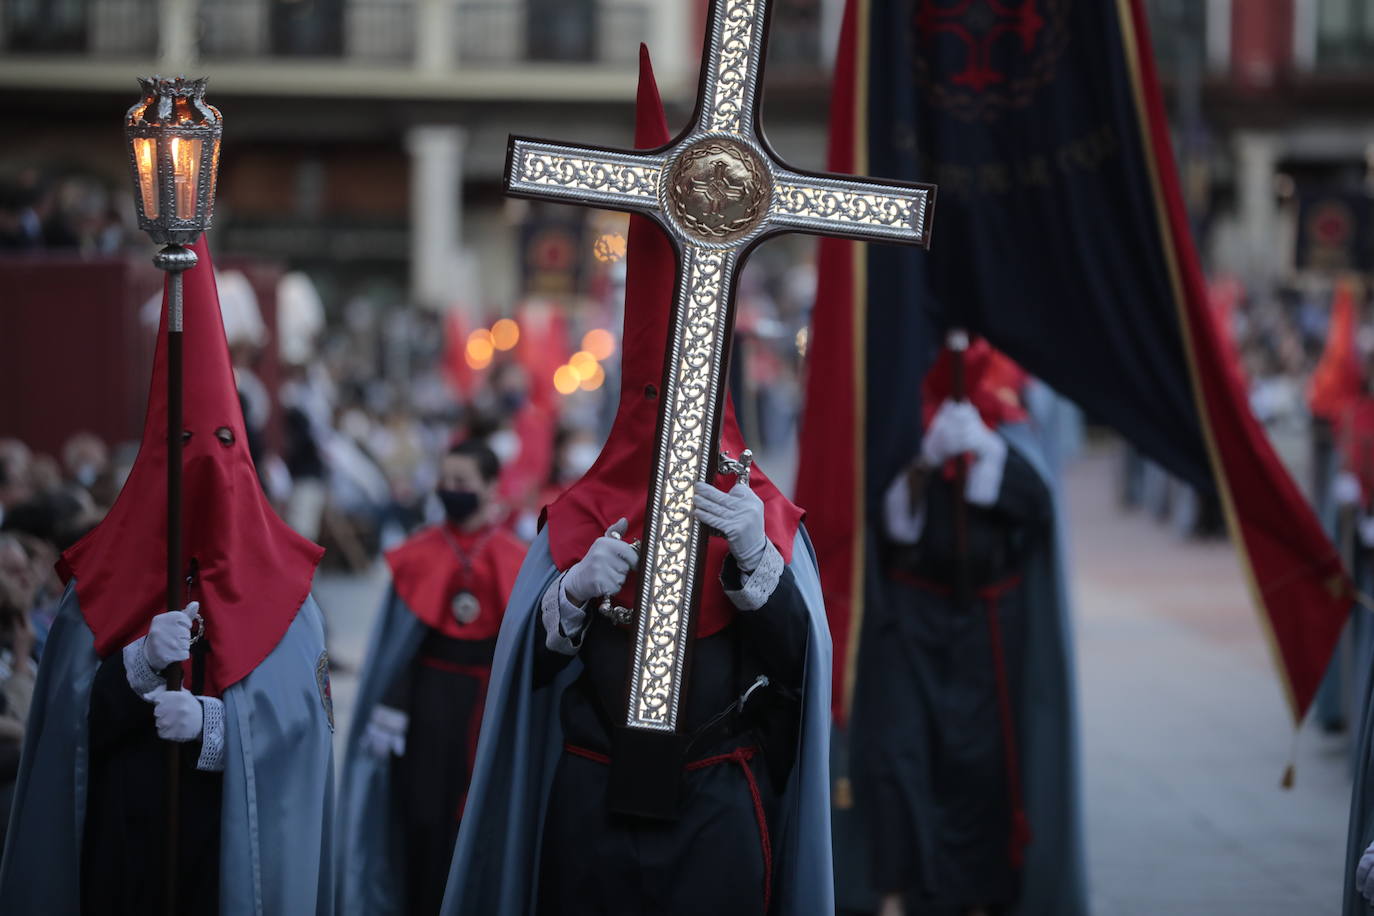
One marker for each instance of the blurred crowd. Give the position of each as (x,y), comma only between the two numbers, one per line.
(1280,343)
(64,211)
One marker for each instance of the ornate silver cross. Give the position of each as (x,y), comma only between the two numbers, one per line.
(717,191)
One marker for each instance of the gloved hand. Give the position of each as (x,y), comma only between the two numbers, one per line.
(957,429)
(169,638)
(1364,874)
(178,713)
(1346,489)
(604,569)
(737,514)
(386,732)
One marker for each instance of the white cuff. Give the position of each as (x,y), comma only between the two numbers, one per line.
(211,758)
(564,622)
(985,477)
(758,586)
(142,678)
(903,526)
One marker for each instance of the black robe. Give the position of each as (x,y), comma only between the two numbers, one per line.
(716,857)
(934,772)
(124,841)
(442,690)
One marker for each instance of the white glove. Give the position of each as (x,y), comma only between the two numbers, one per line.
(1346,489)
(178,713)
(1364,874)
(604,569)
(938,445)
(169,638)
(386,732)
(903,525)
(957,429)
(1366,530)
(737,514)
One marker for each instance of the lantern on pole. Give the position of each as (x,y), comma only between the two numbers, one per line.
(173,136)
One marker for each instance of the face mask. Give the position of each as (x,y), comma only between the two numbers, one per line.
(459,505)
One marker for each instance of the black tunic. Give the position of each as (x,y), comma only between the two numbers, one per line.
(715,858)
(124,841)
(442,689)
(930,760)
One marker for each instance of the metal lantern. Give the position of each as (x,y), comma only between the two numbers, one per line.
(173,136)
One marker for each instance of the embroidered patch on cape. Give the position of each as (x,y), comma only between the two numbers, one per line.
(322,682)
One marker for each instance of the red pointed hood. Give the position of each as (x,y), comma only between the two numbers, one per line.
(994,384)
(617,484)
(1337,382)
(254,572)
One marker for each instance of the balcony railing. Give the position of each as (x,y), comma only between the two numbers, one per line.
(503,33)
(377,30)
(484,32)
(109,28)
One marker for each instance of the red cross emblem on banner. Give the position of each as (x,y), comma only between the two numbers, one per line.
(979,24)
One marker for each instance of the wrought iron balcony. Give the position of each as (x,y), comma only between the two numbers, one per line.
(370,30)
(109,28)
(543,30)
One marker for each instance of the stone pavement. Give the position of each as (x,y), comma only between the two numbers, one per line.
(1186,731)
(1185,728)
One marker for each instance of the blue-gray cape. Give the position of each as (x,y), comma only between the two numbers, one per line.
(496,863)
(275,850)
(369,867)
(1361,830)
(1054,878)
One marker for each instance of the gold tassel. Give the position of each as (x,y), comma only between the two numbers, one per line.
(1289,776)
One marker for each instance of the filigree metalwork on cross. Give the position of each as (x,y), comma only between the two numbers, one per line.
(717,191)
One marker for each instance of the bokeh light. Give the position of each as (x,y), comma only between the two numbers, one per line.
(595,381)
(565,380)
(584,364)
(479,349)
(599,343)
(476,363)
(505,334)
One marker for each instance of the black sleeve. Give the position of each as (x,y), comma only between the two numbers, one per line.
(1024,497)
(398,694)
(777,631)
(117,713)
(548,663)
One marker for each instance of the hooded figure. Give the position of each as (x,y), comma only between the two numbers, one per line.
(966,803)
(255,726)
(414,732)
(751,834)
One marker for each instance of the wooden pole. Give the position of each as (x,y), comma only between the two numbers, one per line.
(175,260)
(956,341)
